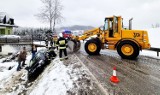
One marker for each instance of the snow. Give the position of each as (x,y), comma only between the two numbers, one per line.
(151,54)
(5,72)
(10,36)
(56,82)
(39,42)
(154,36)
(61,77)
(7,49)
(56,79)
(78,32)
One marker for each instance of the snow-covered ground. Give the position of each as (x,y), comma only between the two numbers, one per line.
(154,36)
(10,36)
(55,80)
(151,54)
(59,78)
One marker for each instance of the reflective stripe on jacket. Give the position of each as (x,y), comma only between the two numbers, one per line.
(62,47)
(62,43)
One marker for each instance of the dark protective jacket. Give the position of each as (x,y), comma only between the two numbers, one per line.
(62,43)
(22,55)
(33,50)
(51,52)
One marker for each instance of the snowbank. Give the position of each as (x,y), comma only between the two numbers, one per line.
(154,37)
(57,81)
(151,54)
(67,77)
(10,36)
(4,72)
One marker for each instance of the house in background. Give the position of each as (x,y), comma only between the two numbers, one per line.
(6,24)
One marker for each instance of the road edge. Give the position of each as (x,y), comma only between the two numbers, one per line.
(94,78)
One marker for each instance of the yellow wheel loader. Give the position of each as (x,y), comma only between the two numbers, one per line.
(127,42)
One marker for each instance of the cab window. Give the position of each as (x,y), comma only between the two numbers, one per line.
(106,25)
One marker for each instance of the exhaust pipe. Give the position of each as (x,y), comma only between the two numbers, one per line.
(130,24)
(122,23)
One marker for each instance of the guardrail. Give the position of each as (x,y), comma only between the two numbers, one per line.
(15,40)
(155,49)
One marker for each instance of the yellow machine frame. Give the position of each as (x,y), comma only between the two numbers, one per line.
(127,42)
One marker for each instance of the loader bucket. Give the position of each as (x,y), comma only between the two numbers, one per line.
(73,45)
(78,45)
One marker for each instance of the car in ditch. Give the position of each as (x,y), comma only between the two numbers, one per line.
(38,63)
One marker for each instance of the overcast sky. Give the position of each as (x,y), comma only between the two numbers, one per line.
(86,12)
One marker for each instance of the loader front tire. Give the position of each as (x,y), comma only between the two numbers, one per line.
(92,47)
(128,50)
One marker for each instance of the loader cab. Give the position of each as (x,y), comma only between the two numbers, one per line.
(112,25)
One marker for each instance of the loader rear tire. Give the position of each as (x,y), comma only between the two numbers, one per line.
(92,47)
(128,50)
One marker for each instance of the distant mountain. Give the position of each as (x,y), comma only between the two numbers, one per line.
(77,27)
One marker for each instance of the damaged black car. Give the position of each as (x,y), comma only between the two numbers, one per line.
(38,63)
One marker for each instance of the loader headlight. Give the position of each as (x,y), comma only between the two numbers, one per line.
(144,34)
(144,40)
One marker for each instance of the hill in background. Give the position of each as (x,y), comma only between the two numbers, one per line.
(76,27)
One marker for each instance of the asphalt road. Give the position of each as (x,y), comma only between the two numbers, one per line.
(137,77)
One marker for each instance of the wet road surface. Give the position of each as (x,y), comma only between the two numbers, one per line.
(137,77)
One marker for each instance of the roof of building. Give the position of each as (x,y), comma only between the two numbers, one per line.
(3,14)
(7,25)
(6,20)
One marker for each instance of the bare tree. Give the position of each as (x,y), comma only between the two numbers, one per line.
(51,13)
(155,25)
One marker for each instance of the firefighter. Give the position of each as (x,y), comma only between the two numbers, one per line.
(62,45)
(51,41)
(51,53)
(46,41)
(55,38)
